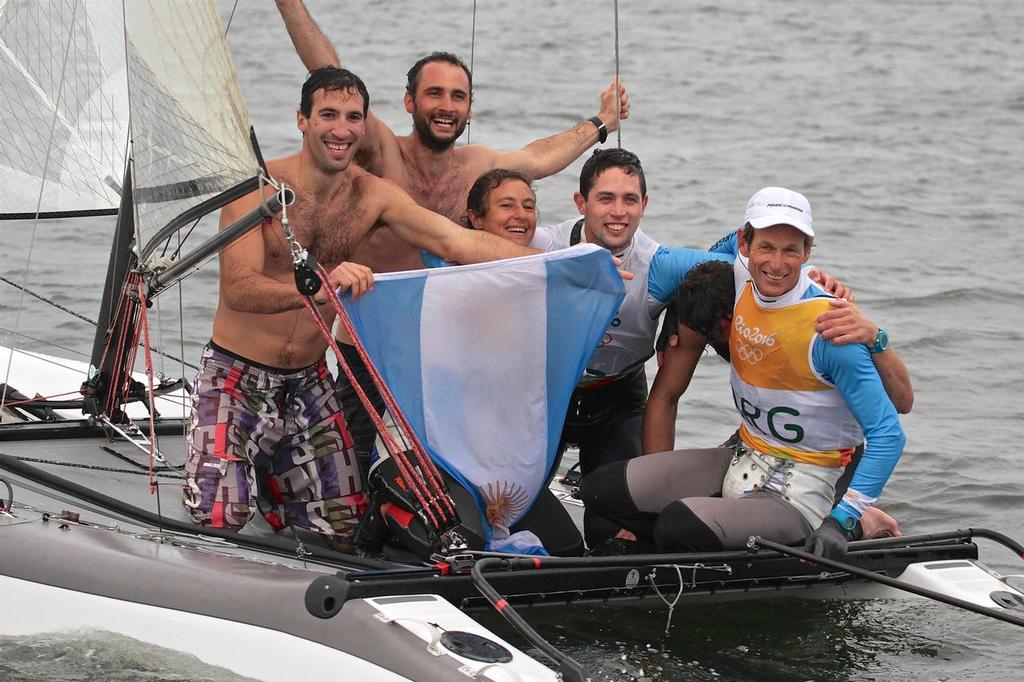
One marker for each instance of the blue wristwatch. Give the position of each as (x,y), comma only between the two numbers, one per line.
(881,342)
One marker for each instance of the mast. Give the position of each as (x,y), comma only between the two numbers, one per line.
(97,387)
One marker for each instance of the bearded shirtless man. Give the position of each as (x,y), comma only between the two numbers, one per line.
(266,431)
(426,163)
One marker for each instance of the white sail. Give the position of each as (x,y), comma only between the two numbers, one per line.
(66,99)
(63,106)
(190,126)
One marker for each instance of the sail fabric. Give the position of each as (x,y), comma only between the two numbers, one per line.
(483,359)
(63,106)
(190,126)
(67,96)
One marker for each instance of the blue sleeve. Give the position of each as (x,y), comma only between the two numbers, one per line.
(852,371)
(729,244)
(432,261)
(670,265)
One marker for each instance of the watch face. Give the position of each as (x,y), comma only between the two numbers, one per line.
(881,341)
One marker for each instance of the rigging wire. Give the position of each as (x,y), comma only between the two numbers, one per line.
(144,324)
(472,53)
(181,333)
(39,199)
(47,300)
(159,332)
(231,16)
(14,332)
(618,124)
(177,251)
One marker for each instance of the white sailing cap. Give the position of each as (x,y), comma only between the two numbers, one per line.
(779,206)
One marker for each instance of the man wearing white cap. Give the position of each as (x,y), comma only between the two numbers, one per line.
(805,404)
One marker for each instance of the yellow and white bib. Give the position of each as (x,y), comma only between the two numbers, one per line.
(787,409)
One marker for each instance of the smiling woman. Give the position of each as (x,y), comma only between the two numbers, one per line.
(503,202)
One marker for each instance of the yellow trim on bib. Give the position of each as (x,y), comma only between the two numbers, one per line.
(828,458)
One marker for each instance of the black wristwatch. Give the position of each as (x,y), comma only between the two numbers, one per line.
(881,342)
(602,129)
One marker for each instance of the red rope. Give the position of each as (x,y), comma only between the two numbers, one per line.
(124,353)
(426,463)
(144,325)
(430,493)
(412,478)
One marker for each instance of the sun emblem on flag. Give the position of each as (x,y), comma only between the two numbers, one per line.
(505,501)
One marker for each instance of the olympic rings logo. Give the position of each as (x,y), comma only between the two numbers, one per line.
(749,354)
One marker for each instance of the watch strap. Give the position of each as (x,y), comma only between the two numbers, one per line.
(602,129)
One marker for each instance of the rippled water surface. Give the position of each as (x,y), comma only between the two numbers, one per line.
(901,121)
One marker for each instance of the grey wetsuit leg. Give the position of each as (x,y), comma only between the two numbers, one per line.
(654,481)
(631,493)
(713,523)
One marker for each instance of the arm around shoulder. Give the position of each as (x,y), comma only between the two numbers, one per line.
(846,324)
(427,230)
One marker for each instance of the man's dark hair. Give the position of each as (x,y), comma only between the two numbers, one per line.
(705,298)
(603,159)
(331,79)
(413,77)
(747,235)
(480,192)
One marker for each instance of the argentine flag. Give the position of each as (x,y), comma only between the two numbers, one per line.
(483,359)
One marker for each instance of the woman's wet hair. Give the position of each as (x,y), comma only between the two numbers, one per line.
(481,190)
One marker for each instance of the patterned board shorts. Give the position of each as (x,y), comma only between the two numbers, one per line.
(273,442)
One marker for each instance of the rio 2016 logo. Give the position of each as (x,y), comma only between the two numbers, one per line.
(753,334)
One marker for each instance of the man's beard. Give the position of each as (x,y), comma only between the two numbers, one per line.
(432,141)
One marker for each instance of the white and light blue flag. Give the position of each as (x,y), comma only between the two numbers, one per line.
(483,359)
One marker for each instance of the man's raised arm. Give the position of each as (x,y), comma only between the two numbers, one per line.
(427,230)
(549,155)
(314,49)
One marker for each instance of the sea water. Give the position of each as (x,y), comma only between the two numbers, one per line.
(902,123)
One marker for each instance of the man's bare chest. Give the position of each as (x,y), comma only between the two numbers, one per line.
(444,193)
(330,234)
(446,196)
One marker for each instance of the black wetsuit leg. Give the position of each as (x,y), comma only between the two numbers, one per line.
(360,426)
(549,520)
(606,423)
